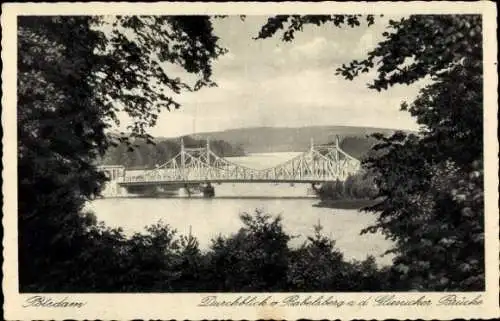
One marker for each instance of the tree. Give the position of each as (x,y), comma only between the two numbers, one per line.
(296,23)
(254,259)
(318,266)
(72,81)
(430,184)
(360,185)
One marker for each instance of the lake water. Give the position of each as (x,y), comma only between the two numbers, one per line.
(208,218)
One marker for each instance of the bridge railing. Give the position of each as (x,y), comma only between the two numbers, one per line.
(221,174)
(256,176)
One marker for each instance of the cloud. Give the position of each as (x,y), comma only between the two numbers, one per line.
(320,51)
(310,49)
(312,96)
(272,83)
(365,43)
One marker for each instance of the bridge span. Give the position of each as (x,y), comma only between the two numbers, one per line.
(201,166)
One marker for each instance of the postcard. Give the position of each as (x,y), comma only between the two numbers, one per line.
(332,160)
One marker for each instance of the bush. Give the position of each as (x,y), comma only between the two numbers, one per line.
(357,186)
(257,258)
(318,266)
(254,259)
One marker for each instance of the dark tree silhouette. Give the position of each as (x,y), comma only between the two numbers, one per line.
(430,184)
(72,82)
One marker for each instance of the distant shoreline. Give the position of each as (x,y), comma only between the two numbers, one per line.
(347,204)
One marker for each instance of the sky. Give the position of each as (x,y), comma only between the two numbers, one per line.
(273,83)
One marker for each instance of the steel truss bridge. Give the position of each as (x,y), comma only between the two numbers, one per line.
(321,163)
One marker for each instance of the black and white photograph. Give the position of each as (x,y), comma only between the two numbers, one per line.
(250,161)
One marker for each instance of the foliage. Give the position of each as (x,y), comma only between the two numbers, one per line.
(296,23)
(55,176)
(256,258)
(433,194)
(132,63)
(358,147)
(318,266)
(430,184)
(72,80)
(356,186)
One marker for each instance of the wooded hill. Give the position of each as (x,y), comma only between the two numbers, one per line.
(295,139)
(238,142)
(144,155)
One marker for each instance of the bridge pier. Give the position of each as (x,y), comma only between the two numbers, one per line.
(149,191)
(188,190)
(208,190)
(316,187)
